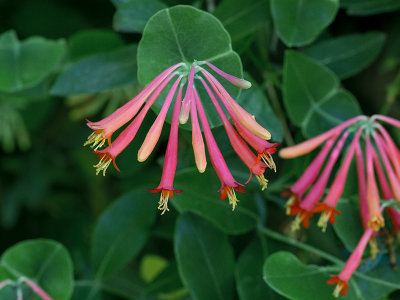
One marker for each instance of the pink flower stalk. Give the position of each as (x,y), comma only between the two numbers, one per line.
(351,265)
(138,107)
(154,133)
(254,164)
(5,283)
(264,149)
(304,210)
(328,206)
(197,140)
(375,216)
(383,183)
(186,104)
(108,155)
(170,161)
(228,184)
(104,129)
(239,82)
(244,117)
(296,191)
(37,289)
(310,144)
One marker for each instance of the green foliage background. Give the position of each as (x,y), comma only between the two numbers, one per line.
(313,64)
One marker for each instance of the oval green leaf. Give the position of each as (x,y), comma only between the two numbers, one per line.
(299,22)
(369,7)
(242,18)
(122,231)
(45,262)
(312,96)
(98,72)
(348,55)
(184,34)
(133,15)
(249,273)
(205,259)
(25,64)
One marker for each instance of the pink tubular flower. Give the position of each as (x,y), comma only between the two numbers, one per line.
(304,210)
(393,179)
(170,161)
(155,131)
(244,117)
(243,84)
(375,216)
(186,104)
(197,140)
(137,109)
(228,184)
(296,191)
(242,150)
(309,145)
(264,149)
(104,129)
(351,265)
(328,206)
(362,188)
(109,154)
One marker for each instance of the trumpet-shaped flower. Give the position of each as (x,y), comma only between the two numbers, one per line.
(248,130)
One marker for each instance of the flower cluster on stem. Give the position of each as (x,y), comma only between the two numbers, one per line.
(246,135)
(376,156)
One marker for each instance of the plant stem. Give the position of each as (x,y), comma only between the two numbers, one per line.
(282,238)
(269,86)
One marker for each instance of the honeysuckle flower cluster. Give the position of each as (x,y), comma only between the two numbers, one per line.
(377,157)
(244,134)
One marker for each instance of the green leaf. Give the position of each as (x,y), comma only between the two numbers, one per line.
(93,41)
(45,262)
(202,199)
(184,34)
(25,64)
(122,231)
(290,278)
(249,273)
(205,259)
(255,102)
(242,18)
(133,15)
(97,73)
(369,7)
(350,218)
(347,55)
(299,22)
(294,280)
(312,96)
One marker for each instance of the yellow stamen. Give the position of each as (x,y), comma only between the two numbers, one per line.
(269,161)
(103,164)
(374,247)
(289,203)
(323,220)
(263,182)
(338,289)
(163,203)
(96,139)
(376,223)
(232,197)
(297,221)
